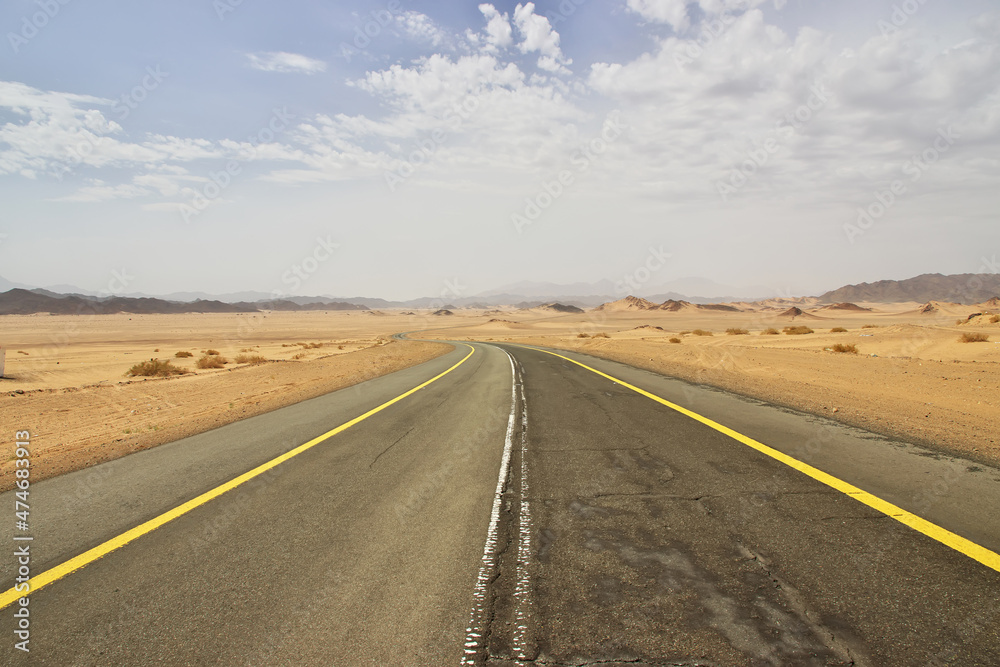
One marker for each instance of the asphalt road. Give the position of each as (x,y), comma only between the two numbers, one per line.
(561,518)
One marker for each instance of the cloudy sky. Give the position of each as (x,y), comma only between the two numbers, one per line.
(403,148)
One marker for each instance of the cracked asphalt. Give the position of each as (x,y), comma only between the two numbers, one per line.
(628,534)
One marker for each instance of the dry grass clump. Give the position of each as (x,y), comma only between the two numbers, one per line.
(155,368)
(845,348)
(212,361)
(995,319)
(770,331)
(300,355)
(736,332)
(838,330)
(973,338)
(798,331)
(213,353)
(311,346)
(871,326)
(250,359)
(675,340)
(183,354)
(702,332)
(601,335)
(583,335)
(246,349)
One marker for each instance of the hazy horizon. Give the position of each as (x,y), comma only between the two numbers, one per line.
(399,149)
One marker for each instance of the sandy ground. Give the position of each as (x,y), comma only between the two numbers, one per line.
(910,379)
(71,392)
(66,376)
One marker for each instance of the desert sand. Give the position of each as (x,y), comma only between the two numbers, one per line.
(910,377)
(65,377)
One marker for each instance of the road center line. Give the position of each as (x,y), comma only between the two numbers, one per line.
(58,572)
(960,544)
(475,632)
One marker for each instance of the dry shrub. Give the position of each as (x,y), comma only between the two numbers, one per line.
(771,331)
(300,355)
(973,338)
(212,361)
(250,359)
(798,331)
(155,368)
(183,354)
(601,335)
(340,347)
(675,340)
(702,332)
(246,349)
(838,330)
(311,346)
(583,335)
(214,353)
(995,319)
(871,326)
(736,332)
(847,349)
(685,333)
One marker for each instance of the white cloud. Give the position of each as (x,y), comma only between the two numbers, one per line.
(421,28)
(675,12)
(499,34)
(538,36)
(281,61)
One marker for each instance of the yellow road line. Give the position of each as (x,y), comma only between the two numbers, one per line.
(933,531)
(58,572)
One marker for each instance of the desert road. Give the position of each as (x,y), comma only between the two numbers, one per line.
(505,505)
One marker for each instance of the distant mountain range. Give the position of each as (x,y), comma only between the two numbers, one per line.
(964,288)
(21,299)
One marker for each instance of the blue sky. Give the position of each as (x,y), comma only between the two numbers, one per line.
(786,147)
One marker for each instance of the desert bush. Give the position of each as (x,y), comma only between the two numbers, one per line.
(601,335)
(838,330)
(771,331)
(583,335)
(702,332)
(340,347)
(798,331)
(973,338)
(995,319)
(213,353)
(246,349)
(155,368)
(250,359)
(183,354)
(848,348)
(871,326)
(675,340)
(212,361)
(311,346)
(685,333)
(300,355)
(736,332)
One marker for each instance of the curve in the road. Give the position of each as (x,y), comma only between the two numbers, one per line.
(960,544)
